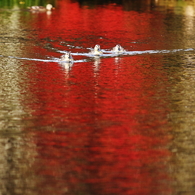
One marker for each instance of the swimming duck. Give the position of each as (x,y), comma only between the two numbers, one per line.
(96,51)
(48,7)
(67,57)
(118,49)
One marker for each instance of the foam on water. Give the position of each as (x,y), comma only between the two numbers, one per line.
(105,54)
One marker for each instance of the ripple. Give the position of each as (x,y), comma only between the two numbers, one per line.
(106,54)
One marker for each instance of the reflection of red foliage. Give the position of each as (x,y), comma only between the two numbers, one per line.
(106,26)
(102,133)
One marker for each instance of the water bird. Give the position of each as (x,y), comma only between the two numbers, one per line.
(36,8)
(67,57)
(118,49)
(96,51)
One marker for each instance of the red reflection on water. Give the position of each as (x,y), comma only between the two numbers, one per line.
(84,27)
(102,132)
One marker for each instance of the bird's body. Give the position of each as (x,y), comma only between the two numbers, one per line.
(36,8)
(67,57)
(96,51)
(118,49)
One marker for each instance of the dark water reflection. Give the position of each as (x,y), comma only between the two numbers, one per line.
(110,125)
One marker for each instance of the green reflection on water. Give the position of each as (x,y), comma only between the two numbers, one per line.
(24,3)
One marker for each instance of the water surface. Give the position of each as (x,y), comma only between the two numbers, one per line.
(109,125)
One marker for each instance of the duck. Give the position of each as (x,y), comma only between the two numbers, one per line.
(118,49)
(37,8)
(67,57)
(96,51)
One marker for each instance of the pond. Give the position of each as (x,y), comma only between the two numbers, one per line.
(108,125)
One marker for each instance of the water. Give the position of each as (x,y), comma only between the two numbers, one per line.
(109,125)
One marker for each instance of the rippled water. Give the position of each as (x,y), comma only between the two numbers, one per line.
(109,125)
